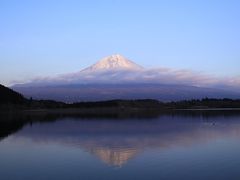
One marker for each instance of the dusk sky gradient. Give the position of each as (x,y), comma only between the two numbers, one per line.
(45,38)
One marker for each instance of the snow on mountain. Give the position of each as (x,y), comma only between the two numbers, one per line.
(114,62)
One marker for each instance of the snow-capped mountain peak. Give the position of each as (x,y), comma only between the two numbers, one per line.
(114,62)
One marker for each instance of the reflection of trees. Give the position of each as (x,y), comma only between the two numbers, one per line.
(115,141)
(12,122)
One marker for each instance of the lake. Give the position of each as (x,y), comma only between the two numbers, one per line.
(182,145)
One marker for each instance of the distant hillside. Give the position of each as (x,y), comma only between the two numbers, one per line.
(9,96)
(9,99)
(72,93)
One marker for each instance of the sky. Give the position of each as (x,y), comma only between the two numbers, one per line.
(49,37)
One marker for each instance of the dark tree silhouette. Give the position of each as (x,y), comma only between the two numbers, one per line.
(8,96)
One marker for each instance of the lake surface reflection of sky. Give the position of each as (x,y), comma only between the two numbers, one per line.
(168,147)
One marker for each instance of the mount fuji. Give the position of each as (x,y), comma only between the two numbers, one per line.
(116,77)
(114,62)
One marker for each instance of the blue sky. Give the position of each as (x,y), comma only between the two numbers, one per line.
(44,38)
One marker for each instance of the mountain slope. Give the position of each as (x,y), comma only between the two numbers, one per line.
(9,96)
(98,92)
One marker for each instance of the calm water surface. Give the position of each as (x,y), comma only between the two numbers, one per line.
(164,147)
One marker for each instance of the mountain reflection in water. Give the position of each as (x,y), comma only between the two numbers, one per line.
(115,141)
